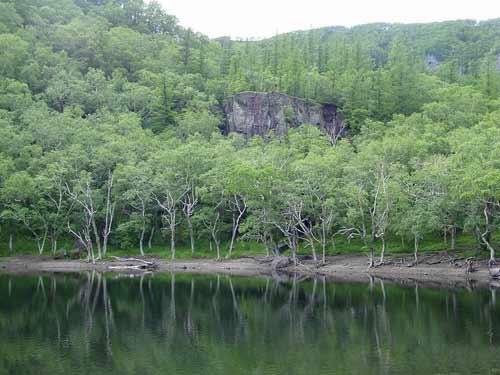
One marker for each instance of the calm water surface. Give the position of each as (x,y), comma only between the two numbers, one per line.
(94,324)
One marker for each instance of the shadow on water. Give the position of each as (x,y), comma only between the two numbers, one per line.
(185,324)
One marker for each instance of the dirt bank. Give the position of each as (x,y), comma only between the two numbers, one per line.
(434,270)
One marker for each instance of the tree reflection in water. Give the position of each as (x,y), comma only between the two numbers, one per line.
(66,323)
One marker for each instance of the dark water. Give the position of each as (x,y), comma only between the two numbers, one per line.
(182,324)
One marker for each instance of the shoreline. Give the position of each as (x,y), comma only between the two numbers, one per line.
(432,271)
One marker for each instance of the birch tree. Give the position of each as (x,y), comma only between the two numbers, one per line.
(168,191)
(26,205)
(477,169)
(318,178)
(52,184)
(81,192)
(191,161)
(134,184)
(368,201)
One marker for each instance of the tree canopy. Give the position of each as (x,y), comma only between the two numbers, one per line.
(110,116)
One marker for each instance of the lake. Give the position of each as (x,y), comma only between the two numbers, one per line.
(91,323)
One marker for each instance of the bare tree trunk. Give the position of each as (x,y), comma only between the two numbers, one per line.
(304,228)
(104,245)
(416,249)
(323,241)
(85,236)
(141,240)
(214,234)
(265,242)
(11,245)
(97,239)
(191,233)
(313,249)
(172,235)
(372,253)
(54,245)
(485,237)
(453,238)
(217,246)
(169,205)
(382,252)
(41,243)
(150,240)
(372,250)
(293,243)
(189,202)
(212,225)
(242,207)
(110,213)
(233,236)
(492,260)
(271,243)
(90,249)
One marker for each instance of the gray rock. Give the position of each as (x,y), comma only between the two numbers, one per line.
(432,63)
(254,113)
(498,62)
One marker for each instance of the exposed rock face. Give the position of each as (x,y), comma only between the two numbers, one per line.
(253,113)
(432,63)
(498,62)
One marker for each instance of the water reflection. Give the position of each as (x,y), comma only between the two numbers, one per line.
(183,324)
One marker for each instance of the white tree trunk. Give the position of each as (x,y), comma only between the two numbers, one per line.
(323,241)
(191,233)
(97,239)
(453,238)
(172,223)
(415,254)
(382,252)
(150,240)
(141,240)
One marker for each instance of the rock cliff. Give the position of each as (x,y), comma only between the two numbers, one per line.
(432,63)
(253,113)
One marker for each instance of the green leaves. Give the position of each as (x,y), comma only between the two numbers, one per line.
(89,90)
(13,55)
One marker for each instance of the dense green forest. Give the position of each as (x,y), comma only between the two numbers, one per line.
(111,134)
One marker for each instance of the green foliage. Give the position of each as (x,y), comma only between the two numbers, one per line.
(109,127)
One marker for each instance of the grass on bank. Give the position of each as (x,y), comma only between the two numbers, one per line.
(466,246)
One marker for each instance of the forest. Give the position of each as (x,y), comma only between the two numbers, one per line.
(112,139)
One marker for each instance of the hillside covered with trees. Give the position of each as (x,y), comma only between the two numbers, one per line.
(110,134)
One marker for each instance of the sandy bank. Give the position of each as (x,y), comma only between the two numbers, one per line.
(440,270)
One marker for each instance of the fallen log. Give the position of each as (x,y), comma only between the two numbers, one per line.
(128,259)
(129,267)
(133,264)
